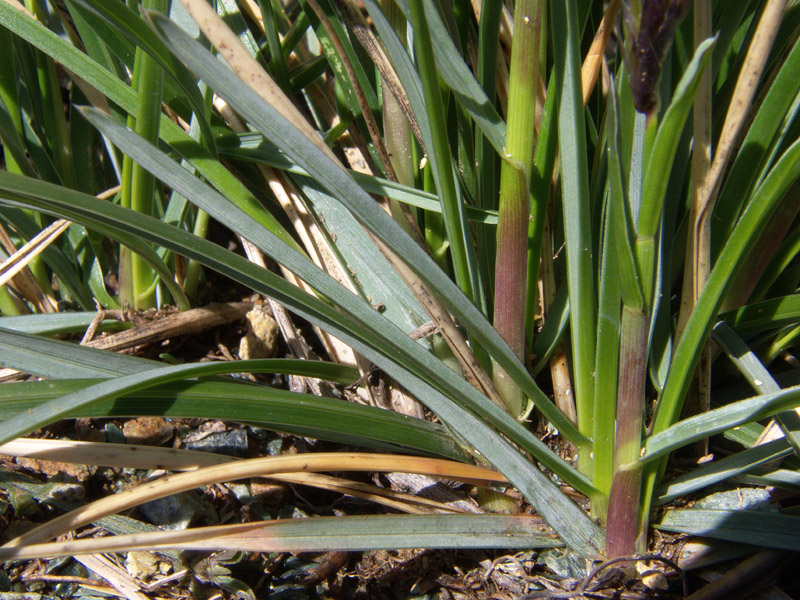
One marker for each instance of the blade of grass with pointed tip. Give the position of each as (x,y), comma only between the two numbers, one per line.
(718,420)
(575,202)
(770,530)
(722,470)
(369,532)
(302,414)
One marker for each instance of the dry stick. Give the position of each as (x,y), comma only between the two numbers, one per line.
(181,323)
(119,578)
(707,179)
(256,467)
(743,576)
(698,249)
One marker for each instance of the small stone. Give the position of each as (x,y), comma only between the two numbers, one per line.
(172,512)
(149,431)
(268,492)
(232,443)
(261,339)
(142,565)
(63,471)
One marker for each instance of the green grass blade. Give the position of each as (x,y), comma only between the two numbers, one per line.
(58,323)
(761,317)
(459,236)
(575,202)
(121,94)
(302,414)
(770,530)
(133,27)
(654,186)
(722,470)
(718,420)
(351,533)
(49,412)
(63,360)
(757,375)
(752,159)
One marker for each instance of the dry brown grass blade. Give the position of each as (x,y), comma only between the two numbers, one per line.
(172,459)
(119,578)
(24,282)
(20,259)
(312,238)
(112,455)
(256,467)
(407,503)
(594,57)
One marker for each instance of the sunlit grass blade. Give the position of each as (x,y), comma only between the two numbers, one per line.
(763,316)
(771,530)
(49,412)
(722,470)
(369,532)
(575,202)
(307,415)
(718,420)
(54,358)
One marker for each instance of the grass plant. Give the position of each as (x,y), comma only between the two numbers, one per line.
(610,224)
